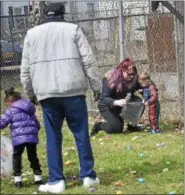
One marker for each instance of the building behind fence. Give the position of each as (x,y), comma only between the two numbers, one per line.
(153,40)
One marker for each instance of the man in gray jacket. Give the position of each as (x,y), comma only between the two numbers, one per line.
(57,65)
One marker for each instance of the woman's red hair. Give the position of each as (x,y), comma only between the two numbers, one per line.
(115,78)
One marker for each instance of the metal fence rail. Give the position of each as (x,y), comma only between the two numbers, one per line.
(150,39)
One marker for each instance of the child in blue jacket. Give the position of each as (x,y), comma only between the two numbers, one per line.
(150,96)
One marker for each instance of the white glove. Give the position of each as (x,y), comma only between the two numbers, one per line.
(120,103)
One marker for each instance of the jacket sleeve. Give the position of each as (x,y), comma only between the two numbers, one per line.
(138,86)
(89,62)
(25,70)
(153,95)
(107,93)
(5,119)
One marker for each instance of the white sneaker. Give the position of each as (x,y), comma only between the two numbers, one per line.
(53,188)
(87,182)
(38,179)
(18,179)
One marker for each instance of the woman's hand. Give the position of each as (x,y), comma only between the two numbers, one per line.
(120,103)
(146,103)
(140,90)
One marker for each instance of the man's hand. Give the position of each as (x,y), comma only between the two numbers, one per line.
(33,100)
(120,103)
(96,96)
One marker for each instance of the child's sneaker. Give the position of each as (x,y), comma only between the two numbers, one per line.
(18,181)
(38,179)
(155,131)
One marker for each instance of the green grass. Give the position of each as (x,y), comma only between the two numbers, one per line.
(113,163)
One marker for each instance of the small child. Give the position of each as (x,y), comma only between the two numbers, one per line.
(24,133)
(150,96)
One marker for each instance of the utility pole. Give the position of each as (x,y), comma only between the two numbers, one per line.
(121,31)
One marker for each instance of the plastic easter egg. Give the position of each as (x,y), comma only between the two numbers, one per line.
(141,180)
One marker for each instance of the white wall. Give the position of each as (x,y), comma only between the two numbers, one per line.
(168,82)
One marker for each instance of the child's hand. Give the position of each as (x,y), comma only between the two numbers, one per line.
(146,103)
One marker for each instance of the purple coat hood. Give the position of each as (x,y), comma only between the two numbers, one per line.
(23,122)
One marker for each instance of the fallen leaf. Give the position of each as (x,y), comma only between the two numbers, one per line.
(101,169)
(135,138)
(165,170)
(133,172)
(180,185)
(66,154)
(28,173)
(160,145)
(119,192)
(25,179)
(67,163)
(108,137)
(118,184)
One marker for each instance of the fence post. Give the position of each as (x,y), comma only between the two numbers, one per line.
(121,31)
(26,16)
(11,26)
(179,5)
(42,9)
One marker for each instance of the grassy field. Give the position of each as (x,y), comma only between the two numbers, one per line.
(118,168)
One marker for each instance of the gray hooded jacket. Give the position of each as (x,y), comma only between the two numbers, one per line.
(57,61)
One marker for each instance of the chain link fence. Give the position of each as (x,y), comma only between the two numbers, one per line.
(150,39)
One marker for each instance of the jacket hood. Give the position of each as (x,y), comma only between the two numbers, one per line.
(25,106)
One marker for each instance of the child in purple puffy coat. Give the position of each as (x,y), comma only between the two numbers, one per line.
(24,133)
